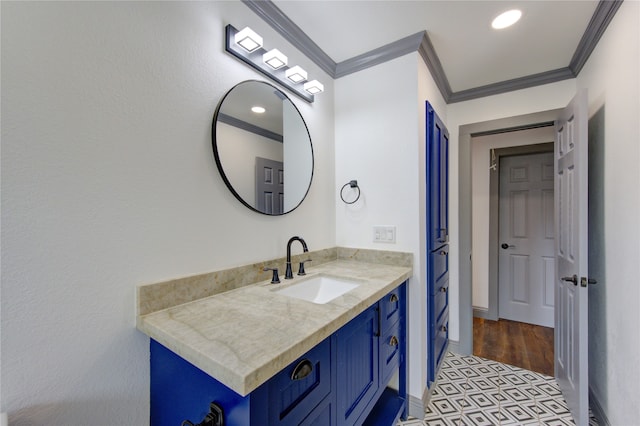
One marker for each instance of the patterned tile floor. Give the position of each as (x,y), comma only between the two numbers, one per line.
(475,391)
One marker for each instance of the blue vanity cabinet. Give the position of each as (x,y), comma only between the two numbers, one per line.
(180,391)
(437,242)
(390,404)
(357,372)
(342,381)
(392,332)
(322,415)
(370,349)
(295,391)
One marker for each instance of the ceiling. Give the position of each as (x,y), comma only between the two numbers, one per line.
(466,54)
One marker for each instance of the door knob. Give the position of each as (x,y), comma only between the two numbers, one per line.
(573,279)
(506,246)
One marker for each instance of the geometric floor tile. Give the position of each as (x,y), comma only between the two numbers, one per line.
(473,391)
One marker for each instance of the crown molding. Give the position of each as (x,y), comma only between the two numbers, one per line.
(421,43)
(252,128)
(430,58)
(511,85)
(380,55)
(280,22)
(599,22)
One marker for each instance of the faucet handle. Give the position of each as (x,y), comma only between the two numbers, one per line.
(301,268)
(275,279)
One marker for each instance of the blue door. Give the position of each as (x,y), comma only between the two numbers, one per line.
(437,241)
(437,180)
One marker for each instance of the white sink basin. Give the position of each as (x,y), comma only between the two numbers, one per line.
(320,289)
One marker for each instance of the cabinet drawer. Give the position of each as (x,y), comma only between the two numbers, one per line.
(438,266)
(441,299)
(390,351)
(390,308)
(300,387)
(441,337)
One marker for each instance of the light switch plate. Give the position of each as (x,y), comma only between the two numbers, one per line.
(384,234)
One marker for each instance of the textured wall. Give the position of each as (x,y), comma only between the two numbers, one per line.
(612,77)
(108,181)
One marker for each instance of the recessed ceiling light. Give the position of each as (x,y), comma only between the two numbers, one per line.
(258,109)
(506,19)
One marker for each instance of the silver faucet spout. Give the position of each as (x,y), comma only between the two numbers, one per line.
(289,272)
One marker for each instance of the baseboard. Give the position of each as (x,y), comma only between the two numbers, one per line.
(487,314)
(416,407)
(454,346)
(480,313)
(596,409)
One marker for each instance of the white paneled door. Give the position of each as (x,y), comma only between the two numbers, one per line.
(526,273)
(571,281)
(269,186)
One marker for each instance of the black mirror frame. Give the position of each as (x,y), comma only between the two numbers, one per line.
(214,145)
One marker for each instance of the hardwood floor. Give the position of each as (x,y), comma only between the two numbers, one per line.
(515,343)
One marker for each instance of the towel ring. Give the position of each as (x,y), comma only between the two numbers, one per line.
(352,184)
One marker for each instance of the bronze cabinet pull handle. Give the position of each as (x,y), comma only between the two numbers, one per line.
(302,370)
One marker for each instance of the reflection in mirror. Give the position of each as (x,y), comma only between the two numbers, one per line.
(262,148)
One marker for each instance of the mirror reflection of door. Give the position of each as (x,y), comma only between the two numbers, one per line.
(269,186)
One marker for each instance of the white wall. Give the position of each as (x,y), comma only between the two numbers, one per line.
(380,143)
(108,181)
(612,77)
(481,147)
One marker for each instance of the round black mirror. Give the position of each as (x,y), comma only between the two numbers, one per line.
(262,148)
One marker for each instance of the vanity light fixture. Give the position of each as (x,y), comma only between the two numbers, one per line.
(247,46)
(248,39)
(275,59)
(314,87)
(296,74)
(506,19)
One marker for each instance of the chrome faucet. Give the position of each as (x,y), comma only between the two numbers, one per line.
(289,273)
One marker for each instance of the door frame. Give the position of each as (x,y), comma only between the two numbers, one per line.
(494,219)
(465,133)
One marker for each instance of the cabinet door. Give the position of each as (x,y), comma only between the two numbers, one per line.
(180,391)
(357,365)
(437,180)
(322,415)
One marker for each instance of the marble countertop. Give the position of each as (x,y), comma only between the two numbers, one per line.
(243,337)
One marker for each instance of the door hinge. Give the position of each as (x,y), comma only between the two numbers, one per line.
(584,281)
